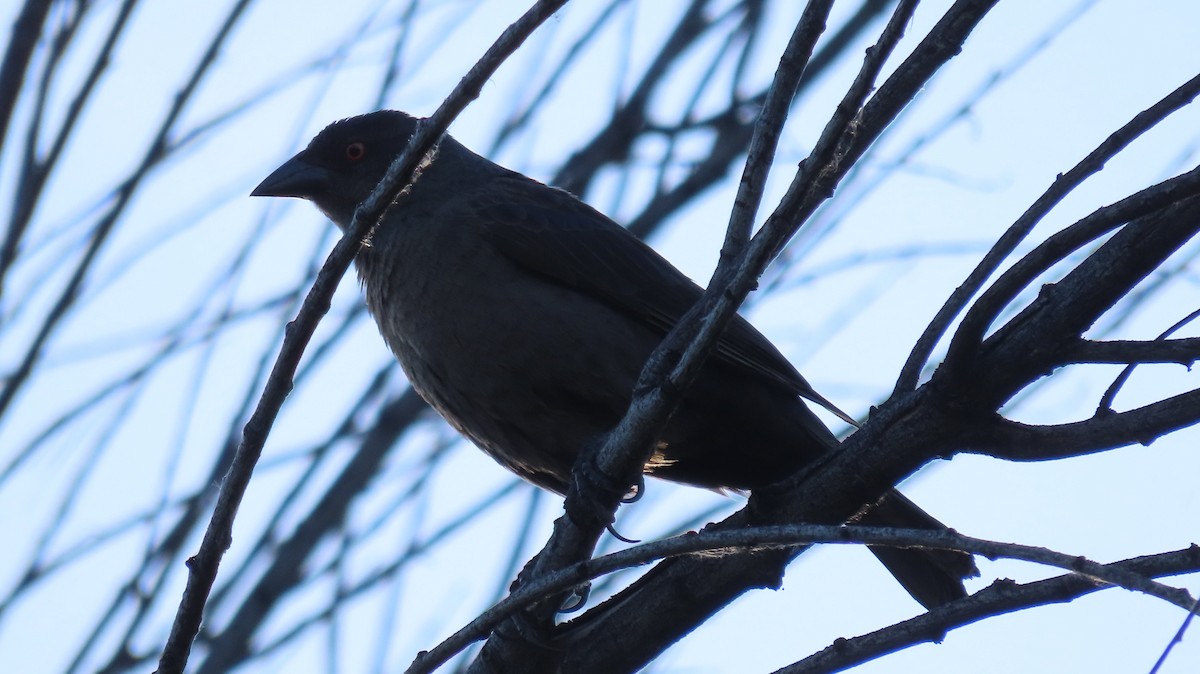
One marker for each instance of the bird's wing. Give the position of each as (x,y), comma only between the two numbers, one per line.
(549,232)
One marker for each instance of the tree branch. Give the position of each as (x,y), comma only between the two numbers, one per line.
(697,588)
(1003,596)
(1034,342)
(1184,351)
(713,543)
(1006,439)
(659,388)
(1062,186)
(217,537)
(1061,244)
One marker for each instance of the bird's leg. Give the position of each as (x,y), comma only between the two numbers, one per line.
(599,494)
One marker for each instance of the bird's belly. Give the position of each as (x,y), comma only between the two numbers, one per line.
(531,371)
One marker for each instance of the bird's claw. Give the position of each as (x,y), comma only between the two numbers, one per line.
(617,535)
(576,599)
(595,492)
(635,491)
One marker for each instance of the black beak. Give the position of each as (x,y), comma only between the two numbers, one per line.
(296,178)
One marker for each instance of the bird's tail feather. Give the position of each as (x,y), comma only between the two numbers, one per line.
(932,577)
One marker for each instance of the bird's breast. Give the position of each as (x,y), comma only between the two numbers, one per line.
(527,368)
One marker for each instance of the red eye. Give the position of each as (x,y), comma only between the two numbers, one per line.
(356,151)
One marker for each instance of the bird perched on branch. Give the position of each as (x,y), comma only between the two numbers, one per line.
(524,316)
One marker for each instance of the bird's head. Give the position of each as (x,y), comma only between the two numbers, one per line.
(342,164)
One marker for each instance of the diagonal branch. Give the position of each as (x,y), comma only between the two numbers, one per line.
(1036,339)
(217,537)
(1062,186)
(679,594)
(1003,596)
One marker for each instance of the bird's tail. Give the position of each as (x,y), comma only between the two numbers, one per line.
(932,577)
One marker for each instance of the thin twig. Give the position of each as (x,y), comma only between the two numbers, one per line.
(217,537)
(710,543)
(1063,185)
(1003,596)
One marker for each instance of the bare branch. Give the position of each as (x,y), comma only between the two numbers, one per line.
(25,32)
(217,537)
(1012,440)
(1003,596)
(695,601)
(1013,357)
(713,544)
(1184,351)
(1058,246)
(1106,400)
(1062,186)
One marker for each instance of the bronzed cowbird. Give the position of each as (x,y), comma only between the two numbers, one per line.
(524,316)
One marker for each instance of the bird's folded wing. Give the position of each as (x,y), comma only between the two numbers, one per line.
(553,234)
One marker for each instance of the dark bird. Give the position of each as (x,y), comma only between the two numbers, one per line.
(524,316)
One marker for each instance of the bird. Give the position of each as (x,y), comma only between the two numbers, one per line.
(524,316)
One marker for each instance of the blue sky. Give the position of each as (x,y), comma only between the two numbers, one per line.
(849,329)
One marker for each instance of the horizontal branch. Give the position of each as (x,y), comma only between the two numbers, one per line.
(1184,351)
(713,544)
(1002,596)
(1006,439)
(791,535)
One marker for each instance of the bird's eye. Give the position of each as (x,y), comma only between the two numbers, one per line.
(356,151)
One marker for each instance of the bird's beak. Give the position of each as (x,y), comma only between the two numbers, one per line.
(296,178)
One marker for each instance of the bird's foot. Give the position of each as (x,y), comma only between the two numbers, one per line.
(576,598)
(597,495)
(617,535)
(634,493)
